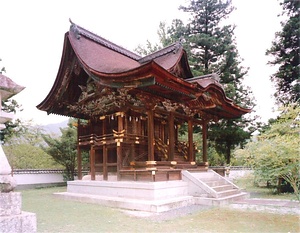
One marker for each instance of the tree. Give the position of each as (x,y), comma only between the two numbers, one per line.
(11,127)
(208,41)
(274,156)
(64,149)
(150,47)
(213,50)
(23,149)
(285,51)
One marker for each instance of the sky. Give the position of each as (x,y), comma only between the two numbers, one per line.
(32,34)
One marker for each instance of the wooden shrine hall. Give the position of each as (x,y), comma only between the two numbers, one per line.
(130,108)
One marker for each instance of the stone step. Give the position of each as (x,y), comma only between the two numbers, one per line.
(222,187)
(228,193)
(204,175)
(220,201)
(214,183)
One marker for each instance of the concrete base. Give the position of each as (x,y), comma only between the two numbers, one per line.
(130,189)
(142,196)
(12,219)
(129,203)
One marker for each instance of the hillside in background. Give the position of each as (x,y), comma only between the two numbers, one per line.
(54,129)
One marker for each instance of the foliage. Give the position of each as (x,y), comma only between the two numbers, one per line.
(285,51)
(226,135)
(211,48)
(9,106)
(275,153)
(64,149)
(23,149)
(213,157)
(151,48)
(11,127)
(208,41)
(27,156)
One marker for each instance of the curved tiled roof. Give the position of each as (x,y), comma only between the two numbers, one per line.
(164,74)
(91,49)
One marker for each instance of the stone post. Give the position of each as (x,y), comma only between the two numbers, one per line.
(12,218)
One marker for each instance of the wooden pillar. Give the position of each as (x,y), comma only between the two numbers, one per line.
(105,170)
(150,135)
(191,155)
(163,134)
(79,157)
(119,148)
(92,163)
(133,152)
(171,137)
(79,163)
(204,141)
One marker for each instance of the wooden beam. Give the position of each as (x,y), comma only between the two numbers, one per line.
(179,116)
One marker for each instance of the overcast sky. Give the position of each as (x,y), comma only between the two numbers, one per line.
(32,34)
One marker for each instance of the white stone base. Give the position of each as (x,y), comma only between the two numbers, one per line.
(130,189)
(155,206)
(142,196)
(12,218)
(21,223)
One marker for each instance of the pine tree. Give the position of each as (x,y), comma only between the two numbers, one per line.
(285,50)
(213,50)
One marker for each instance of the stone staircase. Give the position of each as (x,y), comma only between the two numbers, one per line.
(210,188)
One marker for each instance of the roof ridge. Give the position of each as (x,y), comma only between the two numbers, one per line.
(80,31)
(171,48)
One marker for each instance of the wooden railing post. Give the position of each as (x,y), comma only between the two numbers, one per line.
(191,153)
(92,163)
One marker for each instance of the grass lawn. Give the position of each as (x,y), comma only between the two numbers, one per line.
(261,192)
(57,215)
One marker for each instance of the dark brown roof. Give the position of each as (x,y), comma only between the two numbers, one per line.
(91,49)
(164,74)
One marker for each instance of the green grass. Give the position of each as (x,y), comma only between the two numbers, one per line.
(247,183)
(57,215)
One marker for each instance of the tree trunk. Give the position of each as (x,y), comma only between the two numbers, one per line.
(228,150)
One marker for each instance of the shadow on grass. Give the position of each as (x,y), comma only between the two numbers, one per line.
(57,215)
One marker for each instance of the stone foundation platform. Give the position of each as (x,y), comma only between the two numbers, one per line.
(142,196)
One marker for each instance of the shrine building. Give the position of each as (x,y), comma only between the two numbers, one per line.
(130,108)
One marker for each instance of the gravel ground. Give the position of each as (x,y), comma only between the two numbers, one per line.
(261,205)
(169,215)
